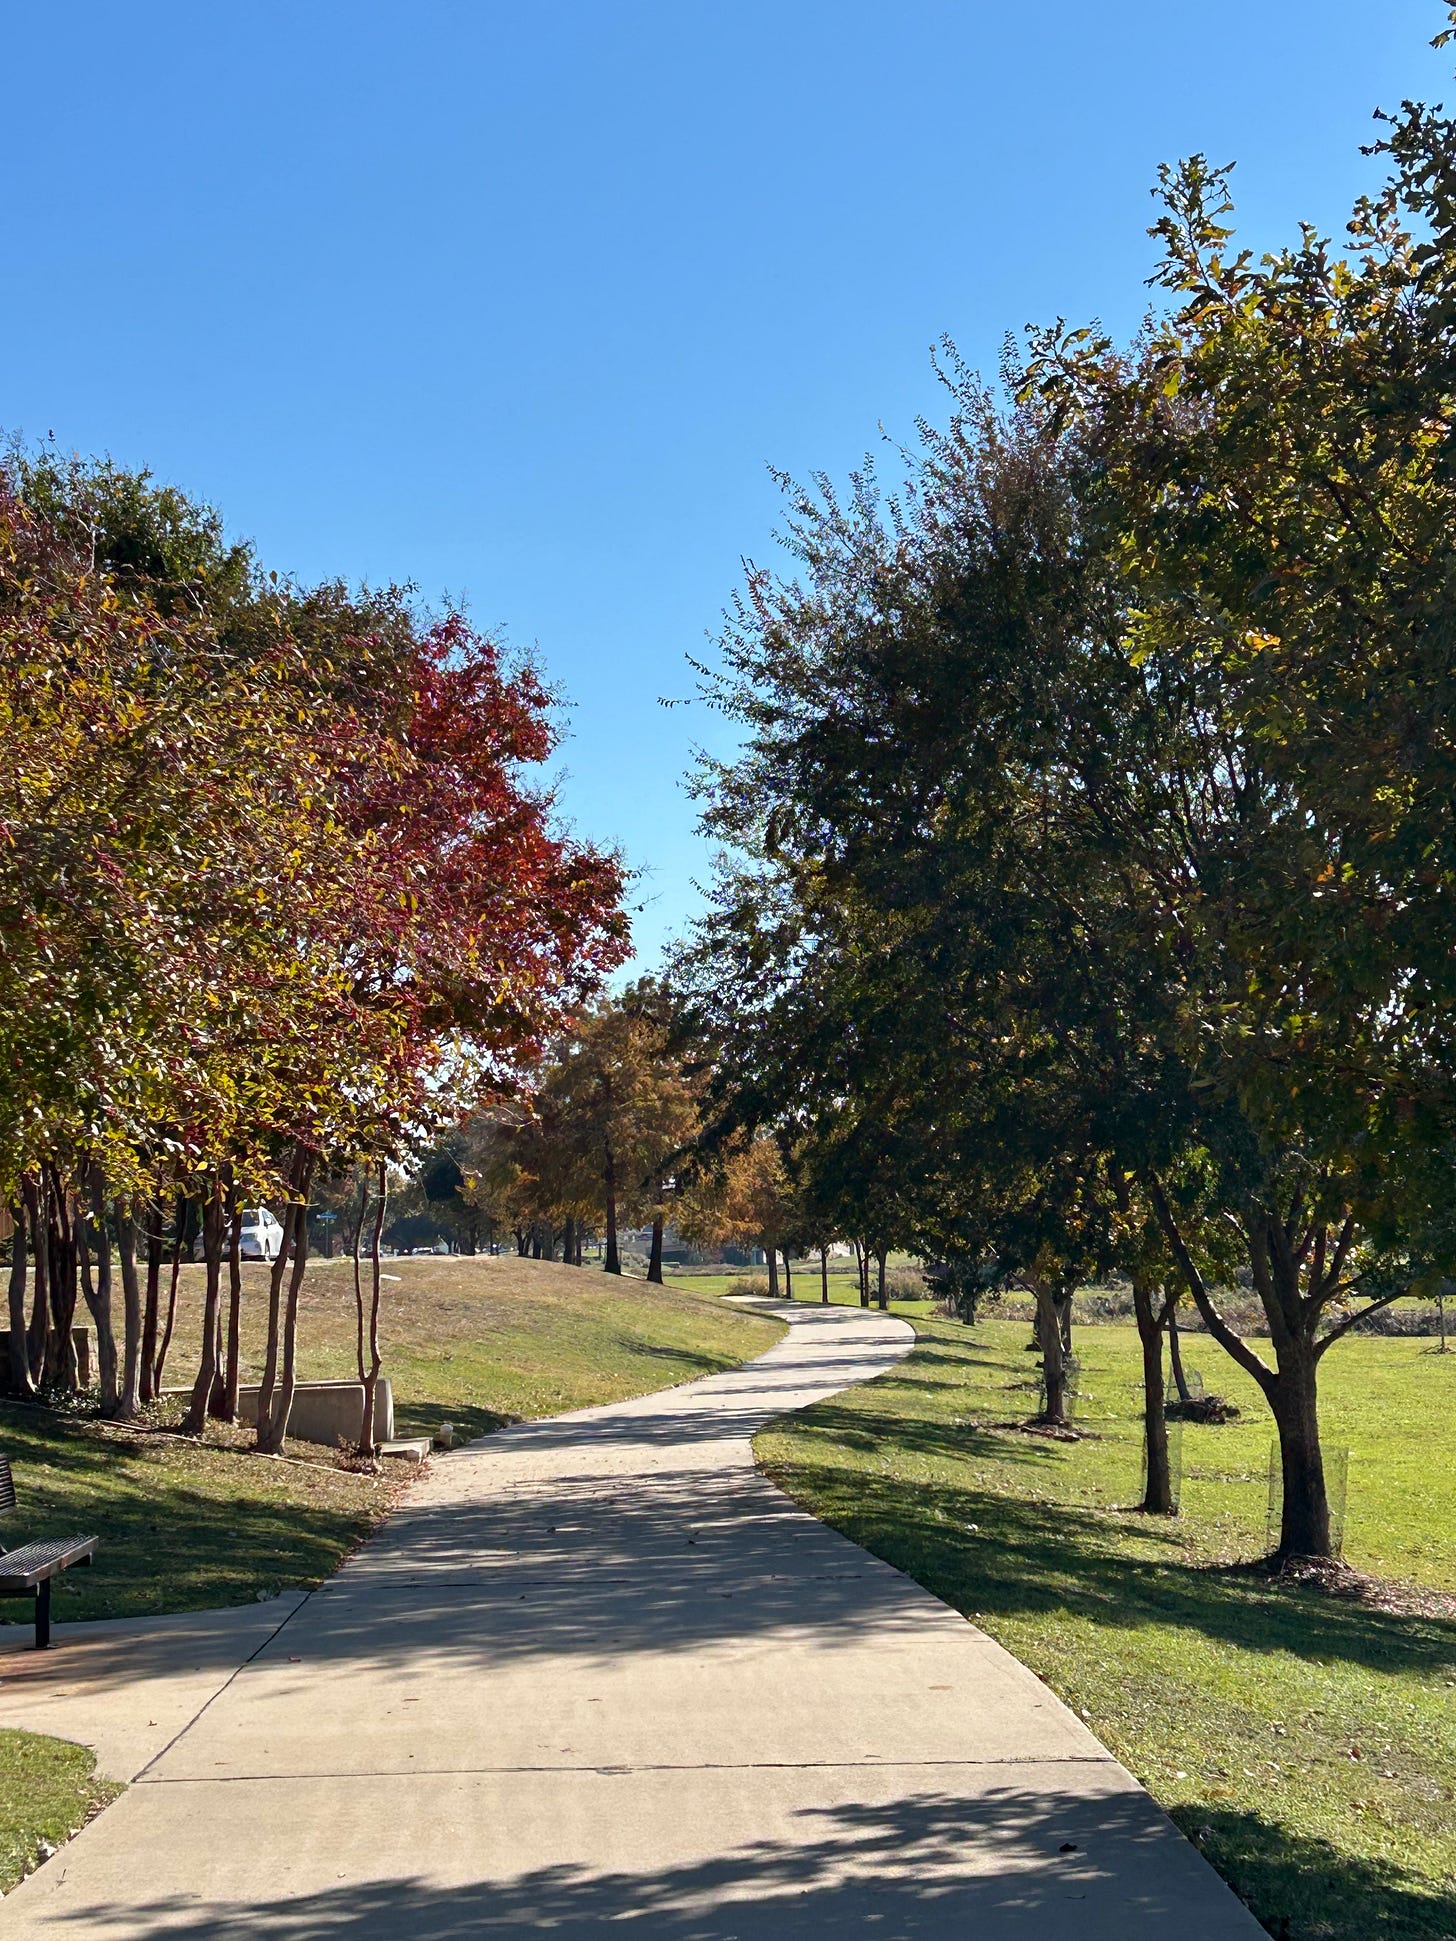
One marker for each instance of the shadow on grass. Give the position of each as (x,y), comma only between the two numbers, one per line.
(1304,1889)
(182,1526)
(859,1427)
(1027,1558)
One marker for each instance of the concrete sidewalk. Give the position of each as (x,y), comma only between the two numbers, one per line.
(598,1670)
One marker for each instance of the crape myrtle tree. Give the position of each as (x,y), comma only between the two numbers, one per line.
(275,899)
(1044,754)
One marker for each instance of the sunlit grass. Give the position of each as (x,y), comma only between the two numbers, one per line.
(48,1788)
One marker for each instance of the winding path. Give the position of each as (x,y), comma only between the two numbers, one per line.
(599,1671)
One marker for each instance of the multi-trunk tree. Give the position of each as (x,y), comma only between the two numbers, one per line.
(276,896)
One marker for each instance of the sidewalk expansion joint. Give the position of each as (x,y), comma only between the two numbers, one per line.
(627,1771)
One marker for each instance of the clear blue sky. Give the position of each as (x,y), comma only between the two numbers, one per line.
(518,301)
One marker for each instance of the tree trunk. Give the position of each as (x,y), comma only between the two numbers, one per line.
(881,1296)
(61,1363)
(357,1249)
(271,1437)
(1291,1386)
(654,1259)
(98,1297)
(129,1400)
(771,1254)
(153,1298)
(20,1381)
(788,1277)
(179,1234)
(367,1437)
(1304,1528)
(569,1244)
(1054,1373)
(35,1198)
(296,1172)
(232,1372)
(195,1419)
(613,1262)
(1158,1491)
(1175,1351)
(824,1276)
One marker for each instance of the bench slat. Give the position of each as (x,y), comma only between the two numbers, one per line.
(21,1570)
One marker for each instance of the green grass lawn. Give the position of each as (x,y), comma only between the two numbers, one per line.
(1308,1743)
(48,1789)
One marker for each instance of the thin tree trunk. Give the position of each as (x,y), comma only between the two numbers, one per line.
(881,1295)
(276,1279)
(358,1251)
(153,1298)
(129,1401)
(654,1258)
(20,1381)
(63,1366)
(179,1234)
(232,1369)
(613,1262)
(824,1276)
(568,1245)
(1158,1490)
(367,1436)
(195,1419)
(771,1252)
(35,1196)
(788,1277)
(1175,1351)
(271,1440)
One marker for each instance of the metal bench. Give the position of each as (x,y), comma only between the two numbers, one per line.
(27,1572)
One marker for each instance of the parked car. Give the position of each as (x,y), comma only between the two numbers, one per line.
(261,1239)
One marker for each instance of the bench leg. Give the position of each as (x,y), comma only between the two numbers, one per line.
(43,1615)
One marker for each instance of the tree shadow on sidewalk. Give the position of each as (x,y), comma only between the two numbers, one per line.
(1008,1864)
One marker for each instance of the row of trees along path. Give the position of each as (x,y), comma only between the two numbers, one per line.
(1091,849)
(276,900)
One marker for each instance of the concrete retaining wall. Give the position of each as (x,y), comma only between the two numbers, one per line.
(330,1412)
(326,1412)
